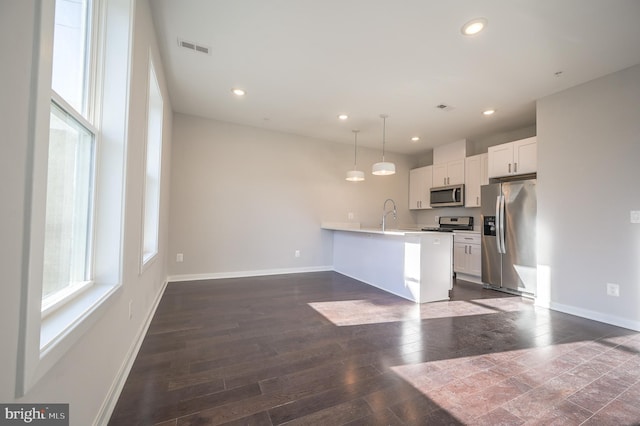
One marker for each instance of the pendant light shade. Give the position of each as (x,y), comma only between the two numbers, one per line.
(355,175)
(383,168)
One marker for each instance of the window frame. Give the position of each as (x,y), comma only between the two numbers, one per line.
(43,341)
(148,257)
(57,300)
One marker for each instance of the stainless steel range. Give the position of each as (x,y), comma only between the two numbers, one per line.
(452,223)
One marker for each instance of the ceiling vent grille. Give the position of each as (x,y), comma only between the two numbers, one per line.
(194,46)
(444,107)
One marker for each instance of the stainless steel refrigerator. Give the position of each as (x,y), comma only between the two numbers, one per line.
(509,236)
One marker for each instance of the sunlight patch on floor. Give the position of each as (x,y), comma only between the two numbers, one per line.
(371,311)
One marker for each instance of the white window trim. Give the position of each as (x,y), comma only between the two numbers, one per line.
(148,258)
(44,341)
(59,299)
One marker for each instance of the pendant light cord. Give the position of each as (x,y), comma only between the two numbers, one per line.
(355,149)
(384,132)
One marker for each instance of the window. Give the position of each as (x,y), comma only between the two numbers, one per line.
(153,165)
(68,219)
(70,160)
(72,46)
(79,110)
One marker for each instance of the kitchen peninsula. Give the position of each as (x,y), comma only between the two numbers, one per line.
(414,265)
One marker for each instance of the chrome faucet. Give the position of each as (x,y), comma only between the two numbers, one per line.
(385,213)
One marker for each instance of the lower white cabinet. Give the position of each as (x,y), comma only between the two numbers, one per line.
(466,254)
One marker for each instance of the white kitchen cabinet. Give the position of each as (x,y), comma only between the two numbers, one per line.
(449,173)
(466,254)
(475,175)
(419,188)
(513,158)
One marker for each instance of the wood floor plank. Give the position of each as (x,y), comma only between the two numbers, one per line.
(321,348)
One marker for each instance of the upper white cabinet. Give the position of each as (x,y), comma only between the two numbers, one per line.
(448,163)
(450,173)
(420,188)
(513,158)
(475,175)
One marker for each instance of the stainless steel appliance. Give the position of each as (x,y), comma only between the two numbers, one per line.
(509,236)
(447,196)
(452,223)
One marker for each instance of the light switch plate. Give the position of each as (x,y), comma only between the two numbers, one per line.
(635,216)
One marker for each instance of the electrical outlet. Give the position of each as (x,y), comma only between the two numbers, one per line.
(613,290)
(350,215)
(437,219)
(635,216)
(297,253)
(179,257)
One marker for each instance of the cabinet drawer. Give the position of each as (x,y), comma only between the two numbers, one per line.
(466,238)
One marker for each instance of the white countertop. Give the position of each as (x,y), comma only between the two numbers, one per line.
(467,232)
(355,227)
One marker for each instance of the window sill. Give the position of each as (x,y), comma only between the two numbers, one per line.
(62,328)
(147,261)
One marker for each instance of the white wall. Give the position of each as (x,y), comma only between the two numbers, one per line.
(244,199)
(588,181)
(85,376)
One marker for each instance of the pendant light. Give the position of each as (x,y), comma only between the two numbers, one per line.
(355,175)
(383,168)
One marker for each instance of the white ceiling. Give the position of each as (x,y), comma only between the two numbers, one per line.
(303,62)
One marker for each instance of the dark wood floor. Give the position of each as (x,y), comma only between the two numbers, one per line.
(323,349)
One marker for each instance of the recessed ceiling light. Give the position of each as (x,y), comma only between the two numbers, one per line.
(415,138)
(343,116)
(489,112)
(238,92)
(474,26)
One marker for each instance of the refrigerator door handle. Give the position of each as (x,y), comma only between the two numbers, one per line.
(498,221)
(502,214)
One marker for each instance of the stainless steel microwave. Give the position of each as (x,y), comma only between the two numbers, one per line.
(447,196)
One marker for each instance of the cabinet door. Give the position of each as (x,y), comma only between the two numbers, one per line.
(455,172)
(414,189)
(500,160)
(474,260)
(419,186)
(525,156)
(439,175)
(460,258)
(484,169)
(472,181)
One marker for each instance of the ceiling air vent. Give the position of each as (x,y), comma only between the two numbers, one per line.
(194,46)
(443,107)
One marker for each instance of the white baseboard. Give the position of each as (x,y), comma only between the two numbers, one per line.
(469,278)
(593,315)
(244,274)
(109,403)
